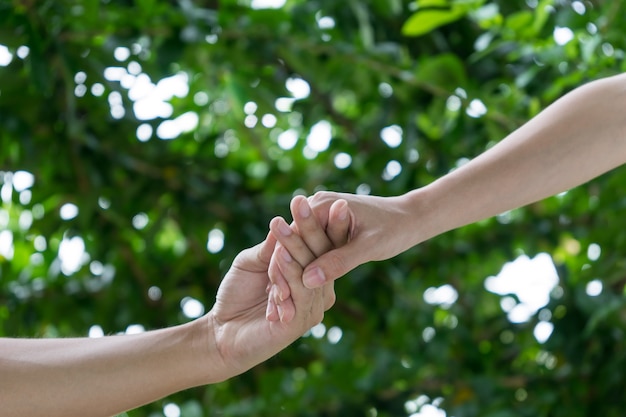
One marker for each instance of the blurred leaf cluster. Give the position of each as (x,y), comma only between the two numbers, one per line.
(144,143)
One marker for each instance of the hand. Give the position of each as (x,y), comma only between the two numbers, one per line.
(307,235)
(243,336)
(105,376)
(380,228)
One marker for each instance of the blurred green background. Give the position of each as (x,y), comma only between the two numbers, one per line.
(144,143)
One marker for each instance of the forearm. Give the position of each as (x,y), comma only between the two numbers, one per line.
(579,137)
(100,377)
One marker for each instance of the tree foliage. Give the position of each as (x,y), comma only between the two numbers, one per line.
(144,143)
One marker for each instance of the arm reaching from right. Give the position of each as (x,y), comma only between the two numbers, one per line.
(579,137)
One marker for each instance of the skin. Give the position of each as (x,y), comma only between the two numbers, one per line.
(579,137)
(106,376)
(318,241)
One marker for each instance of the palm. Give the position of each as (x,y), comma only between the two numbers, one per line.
(241,328)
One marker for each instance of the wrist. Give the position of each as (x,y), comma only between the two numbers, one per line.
(207,352)
(420,215)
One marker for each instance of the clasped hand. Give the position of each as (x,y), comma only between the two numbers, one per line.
(262,304)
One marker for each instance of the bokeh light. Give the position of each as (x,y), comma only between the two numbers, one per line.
(288,139)
(320,136)
(530,280)
(68,211)
(444,296)
(215,241)
(298,88)
(562,35)
(594,288)
(191,307)
(5,56)
(392,135)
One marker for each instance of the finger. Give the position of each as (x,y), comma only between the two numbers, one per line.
(329,296)
(286,274)
(339,223)
(333,264)
(301,302)
(260,253)
(276,271)
(290,272)
(273,272)
(320,203)
(291,240)
(271,313)
(287,310)
(267,248)
(308,227)
(305,304)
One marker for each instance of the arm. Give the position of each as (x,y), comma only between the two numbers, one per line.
(60,377)
(105,376)
(577,138)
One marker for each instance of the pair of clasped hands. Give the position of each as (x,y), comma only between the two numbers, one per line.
(263,304)
(280,288)
(312,236)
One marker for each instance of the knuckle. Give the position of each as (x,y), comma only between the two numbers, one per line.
(320,197)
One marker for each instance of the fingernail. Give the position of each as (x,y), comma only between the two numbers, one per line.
(285,230)
(281,313)
(343,212)
(273,292)
(276,295)
(304,209)
(268,287)
(314,278)
(270,308)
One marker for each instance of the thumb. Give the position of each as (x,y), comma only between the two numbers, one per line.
(332,265)
(266,248)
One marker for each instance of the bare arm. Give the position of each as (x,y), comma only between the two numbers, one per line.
(101,376)
(577,138)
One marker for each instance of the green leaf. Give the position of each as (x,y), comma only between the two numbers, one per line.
(519,21)
(446,71)
(432,14)
(426,21)
(601,314)
(542,14)
(432,3)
